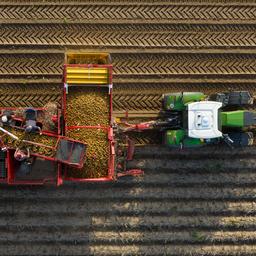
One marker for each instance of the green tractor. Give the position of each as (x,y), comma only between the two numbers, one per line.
(194,119)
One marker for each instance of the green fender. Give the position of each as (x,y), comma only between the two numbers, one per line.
(178,138)
(178,101)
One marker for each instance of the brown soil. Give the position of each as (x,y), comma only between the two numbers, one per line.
(205,206)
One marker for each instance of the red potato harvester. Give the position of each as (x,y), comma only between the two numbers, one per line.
(80,70)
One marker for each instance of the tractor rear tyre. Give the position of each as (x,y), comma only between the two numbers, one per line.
(236,98)
(240,98)
(241,139)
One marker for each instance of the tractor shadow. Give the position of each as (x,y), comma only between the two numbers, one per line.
(189,202)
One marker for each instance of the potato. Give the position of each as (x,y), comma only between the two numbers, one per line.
(43,139)
(97,153)
(87,106)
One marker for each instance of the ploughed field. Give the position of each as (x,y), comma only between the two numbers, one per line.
(189,202)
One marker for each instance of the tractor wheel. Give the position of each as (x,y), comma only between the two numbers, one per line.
(240,98)
(236,98)
(241,139)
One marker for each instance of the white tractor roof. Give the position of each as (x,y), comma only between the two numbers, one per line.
(203,120)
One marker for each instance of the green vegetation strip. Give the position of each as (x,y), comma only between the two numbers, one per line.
(97,155)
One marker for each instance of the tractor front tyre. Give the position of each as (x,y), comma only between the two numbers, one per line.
(241,139)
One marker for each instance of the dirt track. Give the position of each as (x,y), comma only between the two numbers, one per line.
(188,203)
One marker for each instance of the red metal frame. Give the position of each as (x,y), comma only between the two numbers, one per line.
(50,134)
(108,129)
(59,180)
(55,147)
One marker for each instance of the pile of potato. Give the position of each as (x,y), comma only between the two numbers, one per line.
(97,153)
(87,106)
(43,139)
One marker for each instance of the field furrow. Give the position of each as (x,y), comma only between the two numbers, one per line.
(137,65)
(131,36)
(189,202)
(127,12)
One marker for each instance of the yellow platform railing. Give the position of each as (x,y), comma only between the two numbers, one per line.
(87,75)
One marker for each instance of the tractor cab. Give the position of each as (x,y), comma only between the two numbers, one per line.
(201,125)
(204,120)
